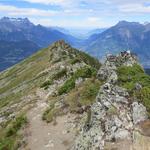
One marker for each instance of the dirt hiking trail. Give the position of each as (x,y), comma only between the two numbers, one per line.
(44,136)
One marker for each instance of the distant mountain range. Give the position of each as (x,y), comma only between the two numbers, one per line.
(18,29)
(123,36)
(19,38)
(95,31)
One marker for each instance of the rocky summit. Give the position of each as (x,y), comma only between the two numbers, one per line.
(62,98)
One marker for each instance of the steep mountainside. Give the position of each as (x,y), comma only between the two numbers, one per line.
(96,31)
(123,36)
(13,52)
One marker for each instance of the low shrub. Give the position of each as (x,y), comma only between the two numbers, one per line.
(59,74)
(49,115)
(68,85)
(9,136)
(75,60)
(46,84)
(144,96)
(16,125)
(129,76)
(89,60)
(84,95)
(52,112)
(85,72)
(89,92)
(56,76)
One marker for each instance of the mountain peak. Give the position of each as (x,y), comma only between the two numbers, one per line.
(61,45)
(16,21)
(60,50)
(123,22)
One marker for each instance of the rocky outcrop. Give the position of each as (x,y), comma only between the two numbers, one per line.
(59,50)
(139,112)
(113,116)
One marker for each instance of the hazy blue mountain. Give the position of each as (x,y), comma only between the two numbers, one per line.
(125,35)
(12,52)
(17,29)
(61,29)
(81,33)
(20,38)
(96,31)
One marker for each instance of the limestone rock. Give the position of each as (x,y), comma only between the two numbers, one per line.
(90,140)
(106,71)
(78,81)
(122,134)
(113,77)
(139,112)
(138,86)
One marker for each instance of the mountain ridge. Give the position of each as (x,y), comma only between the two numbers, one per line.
(62,95)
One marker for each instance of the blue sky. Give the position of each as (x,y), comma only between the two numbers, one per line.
(77,13)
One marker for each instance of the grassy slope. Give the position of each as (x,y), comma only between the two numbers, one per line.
(23,79)
(18,80)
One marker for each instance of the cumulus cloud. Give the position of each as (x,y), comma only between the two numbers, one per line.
(122,2)
(78,6)
(93,19)
(15,11)
(63,3)
(42,21)
(90,12)
(135,8)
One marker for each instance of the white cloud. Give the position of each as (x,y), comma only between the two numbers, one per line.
(93,19)
(52,2)
(82,23)
(87,22)
(135,8)
(15,11)
(42,21)
(94,22)
(122,2)
(96,13)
